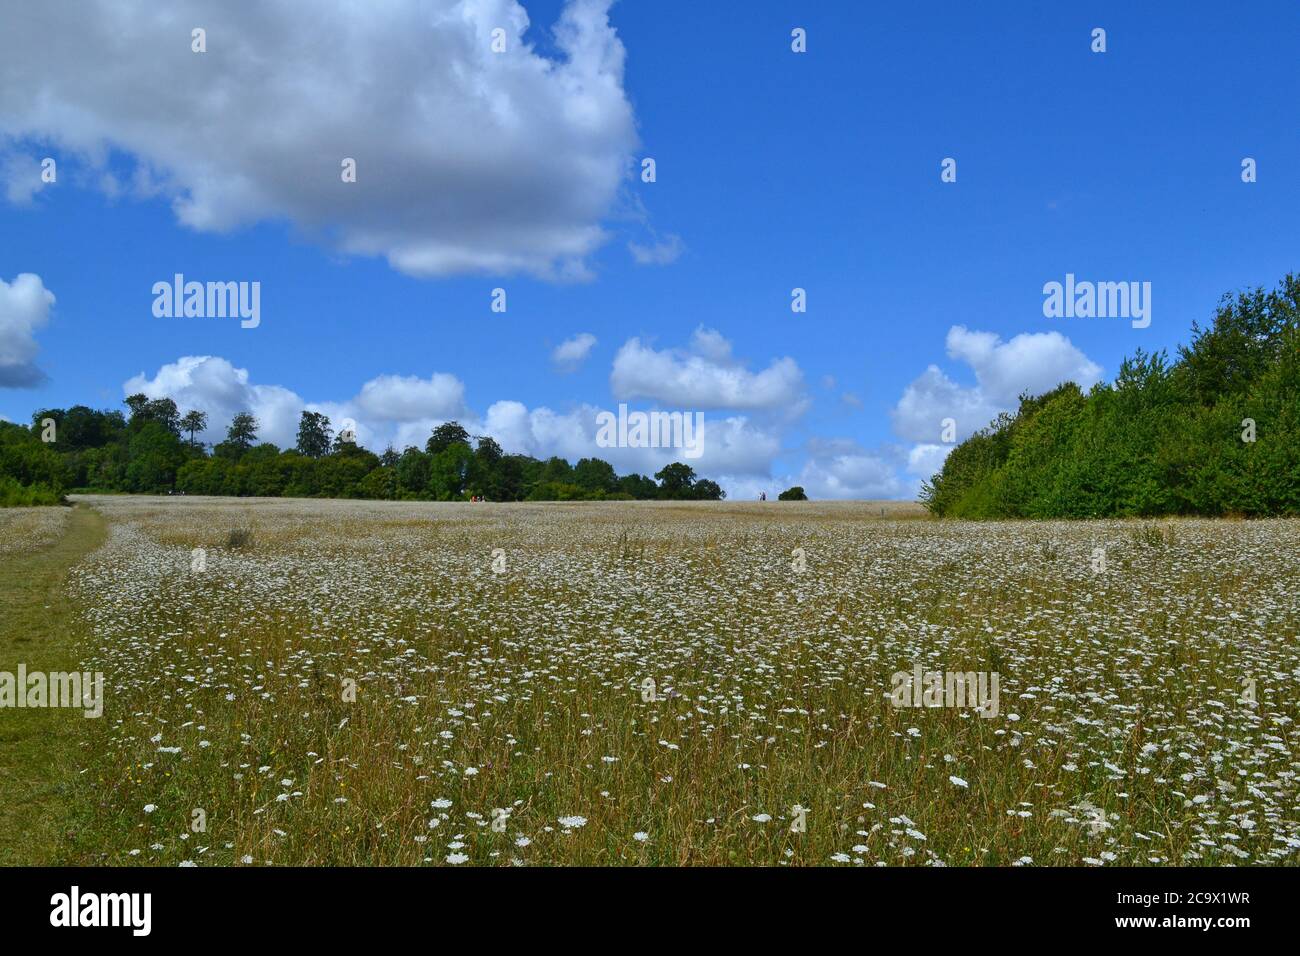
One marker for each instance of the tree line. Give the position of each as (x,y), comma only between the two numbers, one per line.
(152,448)
(1214,432)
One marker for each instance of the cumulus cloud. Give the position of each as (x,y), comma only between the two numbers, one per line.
(1034,362)
(24,307)
(731,445)
(931,398)
(386,407)
(467,160)
(212,385)
(924,461)
(571,353)
(843,469)
(398,398)
(705,376)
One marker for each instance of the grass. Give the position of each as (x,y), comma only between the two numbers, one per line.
(364,687)
(374,683)
(38,748)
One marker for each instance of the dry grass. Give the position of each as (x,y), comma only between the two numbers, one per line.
(478,691)
(26,530)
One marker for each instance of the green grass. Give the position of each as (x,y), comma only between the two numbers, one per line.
(39,628)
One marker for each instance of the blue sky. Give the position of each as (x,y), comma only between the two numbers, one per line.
(775,170)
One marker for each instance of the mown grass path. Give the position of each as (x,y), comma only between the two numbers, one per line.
(38,628)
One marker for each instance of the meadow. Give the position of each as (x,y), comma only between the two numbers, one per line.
(25,530)
(381,683)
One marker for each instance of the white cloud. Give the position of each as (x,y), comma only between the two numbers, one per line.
(931,398)
(24,307)
(398,398)
(924,461)
(705,377)
(212,385)
(731,445)
(843,469)
(467,160)
(571,353)
(387,408)
(712,345)
(1033,362)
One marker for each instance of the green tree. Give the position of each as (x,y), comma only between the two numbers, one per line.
(556,470)
(676,480)
(242,432)
(413,474)
(446,434)
(313,435)
(448,470)
(595,475)
(707,490)
(194,422)
(638,486)
(155,457)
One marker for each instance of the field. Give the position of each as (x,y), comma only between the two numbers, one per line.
(428,684)
(26,530)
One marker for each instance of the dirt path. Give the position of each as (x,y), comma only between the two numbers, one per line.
(38,628)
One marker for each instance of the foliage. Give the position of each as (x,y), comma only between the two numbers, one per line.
(1216,432)
(313,435)
(14,495)
(145,453)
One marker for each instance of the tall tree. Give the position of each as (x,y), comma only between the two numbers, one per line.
(488,451)
(314,435)
(165,413)
(136,403)
(242,432)
(194,422)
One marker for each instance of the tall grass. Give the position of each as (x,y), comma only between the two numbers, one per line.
(364,688)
